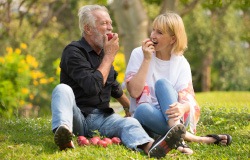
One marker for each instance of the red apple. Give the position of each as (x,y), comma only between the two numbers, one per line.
(80,138)
(84,142)
(102,143)
(116,140)
(150,41)
(108,140)
(110,36)
(94,140)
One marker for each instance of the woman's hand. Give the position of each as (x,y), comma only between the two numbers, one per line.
(176,110)
(148,49)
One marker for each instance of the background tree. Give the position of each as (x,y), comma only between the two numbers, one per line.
(213,45)
(219,59)
(218,33)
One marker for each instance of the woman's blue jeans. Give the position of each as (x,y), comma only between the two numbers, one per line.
(155,121)
(65,111)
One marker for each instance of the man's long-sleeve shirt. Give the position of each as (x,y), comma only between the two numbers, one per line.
(79,63)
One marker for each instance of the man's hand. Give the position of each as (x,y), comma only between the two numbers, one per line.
(127,113)
(111,46)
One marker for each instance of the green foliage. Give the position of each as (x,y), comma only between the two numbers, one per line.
(46,27)
(214,4)
(157,2)
(20,80)
(152,8)
(212,31)
(222,112)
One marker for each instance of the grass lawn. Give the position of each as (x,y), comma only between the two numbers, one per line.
(222,112)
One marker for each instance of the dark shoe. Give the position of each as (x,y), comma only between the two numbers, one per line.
(218,139)
(172,139)
(63,137)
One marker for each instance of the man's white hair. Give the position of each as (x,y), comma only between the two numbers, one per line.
(86,17)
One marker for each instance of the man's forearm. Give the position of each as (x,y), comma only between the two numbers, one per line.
(124,101)
(105,66)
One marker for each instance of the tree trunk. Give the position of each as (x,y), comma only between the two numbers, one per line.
(168,5)
(132,22)
(206,72)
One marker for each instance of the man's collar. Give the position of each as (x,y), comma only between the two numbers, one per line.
(86,45)
(88,48)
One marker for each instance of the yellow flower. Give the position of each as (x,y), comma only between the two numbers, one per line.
(58,70)
(119,66)
(35,83)
(31,96)
(18,51)
(9,50)
(2,60)
(23,45)
(43,81)
(51,79)
(120,77)
(36,74)
(24,90)
(10,58)
(32,61)
(22,102)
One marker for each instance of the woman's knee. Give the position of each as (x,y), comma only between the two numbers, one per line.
(164,87)
(162,82)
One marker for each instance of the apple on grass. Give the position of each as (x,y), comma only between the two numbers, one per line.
(116,140)
(102,143)
(94,140)
(82,141)
(108,140)
(80,138)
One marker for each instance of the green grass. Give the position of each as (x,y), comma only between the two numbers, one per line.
(222,112)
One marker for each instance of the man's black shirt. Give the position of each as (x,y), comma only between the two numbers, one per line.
(79,63)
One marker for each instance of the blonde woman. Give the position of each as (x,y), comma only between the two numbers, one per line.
(159,81)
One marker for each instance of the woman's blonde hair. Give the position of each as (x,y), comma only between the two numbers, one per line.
(172,24)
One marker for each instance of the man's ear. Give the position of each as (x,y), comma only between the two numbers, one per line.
(87,29)
(173,39)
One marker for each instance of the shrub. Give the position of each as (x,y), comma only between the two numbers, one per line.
(20,80)
(120,66)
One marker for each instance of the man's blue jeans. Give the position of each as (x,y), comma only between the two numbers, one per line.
(65,111)
(155,120)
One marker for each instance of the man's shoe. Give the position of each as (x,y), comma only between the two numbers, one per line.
(63,137)
(172,139)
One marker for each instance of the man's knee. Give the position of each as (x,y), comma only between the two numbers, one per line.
(131,121)
(63,88)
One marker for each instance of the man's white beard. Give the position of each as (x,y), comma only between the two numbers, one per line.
(98,38)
